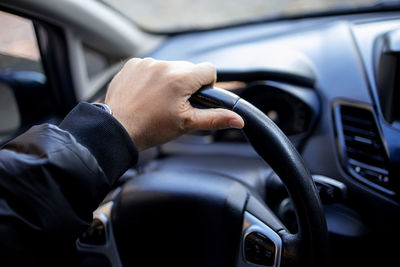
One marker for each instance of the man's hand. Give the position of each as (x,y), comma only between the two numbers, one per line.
(150,98)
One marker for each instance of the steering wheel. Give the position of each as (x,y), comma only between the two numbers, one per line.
(171,218)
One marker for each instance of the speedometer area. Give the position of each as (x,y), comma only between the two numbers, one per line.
(293,108)
(292,114)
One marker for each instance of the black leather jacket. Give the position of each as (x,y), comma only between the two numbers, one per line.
(52,179)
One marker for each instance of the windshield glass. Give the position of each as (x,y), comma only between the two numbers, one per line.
(180,15)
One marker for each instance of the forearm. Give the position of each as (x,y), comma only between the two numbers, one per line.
(52,178)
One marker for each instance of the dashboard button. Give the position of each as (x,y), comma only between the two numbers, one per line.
(94,235)
(259,249)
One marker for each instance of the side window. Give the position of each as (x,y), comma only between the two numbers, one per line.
(22,79)
(96,62)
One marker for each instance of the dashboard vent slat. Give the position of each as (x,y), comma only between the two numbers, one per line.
(356,120)
(355,130)
(363,151)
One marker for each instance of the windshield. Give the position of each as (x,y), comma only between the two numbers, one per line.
(180,15)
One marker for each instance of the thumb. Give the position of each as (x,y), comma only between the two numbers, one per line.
(214,119)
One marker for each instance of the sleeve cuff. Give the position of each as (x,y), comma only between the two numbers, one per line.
(105,138)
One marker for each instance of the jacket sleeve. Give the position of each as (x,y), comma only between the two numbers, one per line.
(52,179)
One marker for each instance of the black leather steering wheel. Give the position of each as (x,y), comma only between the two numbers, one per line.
(203,219)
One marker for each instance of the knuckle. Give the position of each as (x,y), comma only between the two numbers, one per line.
(132,61)
(213,123)
(162,65)
(210,66)
(148,59)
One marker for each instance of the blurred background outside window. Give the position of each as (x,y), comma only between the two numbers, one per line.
(178,15)
(18,46)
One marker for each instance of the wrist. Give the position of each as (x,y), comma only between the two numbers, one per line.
(103,106)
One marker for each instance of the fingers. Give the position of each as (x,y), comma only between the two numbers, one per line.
(205,73)
(213,119)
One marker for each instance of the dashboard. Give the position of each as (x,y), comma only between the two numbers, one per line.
(331,84)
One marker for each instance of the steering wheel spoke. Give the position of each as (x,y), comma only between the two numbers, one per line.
(99,238)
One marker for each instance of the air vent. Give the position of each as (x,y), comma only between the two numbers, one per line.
(363,153)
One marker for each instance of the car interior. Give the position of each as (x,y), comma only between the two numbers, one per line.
(312,180)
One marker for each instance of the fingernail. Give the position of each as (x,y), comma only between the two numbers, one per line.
(235,124)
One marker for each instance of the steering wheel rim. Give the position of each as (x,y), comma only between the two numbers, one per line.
(138,197)
(309,246)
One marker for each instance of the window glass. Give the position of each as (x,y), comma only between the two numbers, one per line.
(18,46)
(21,72)
(96,62)
(9,115)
